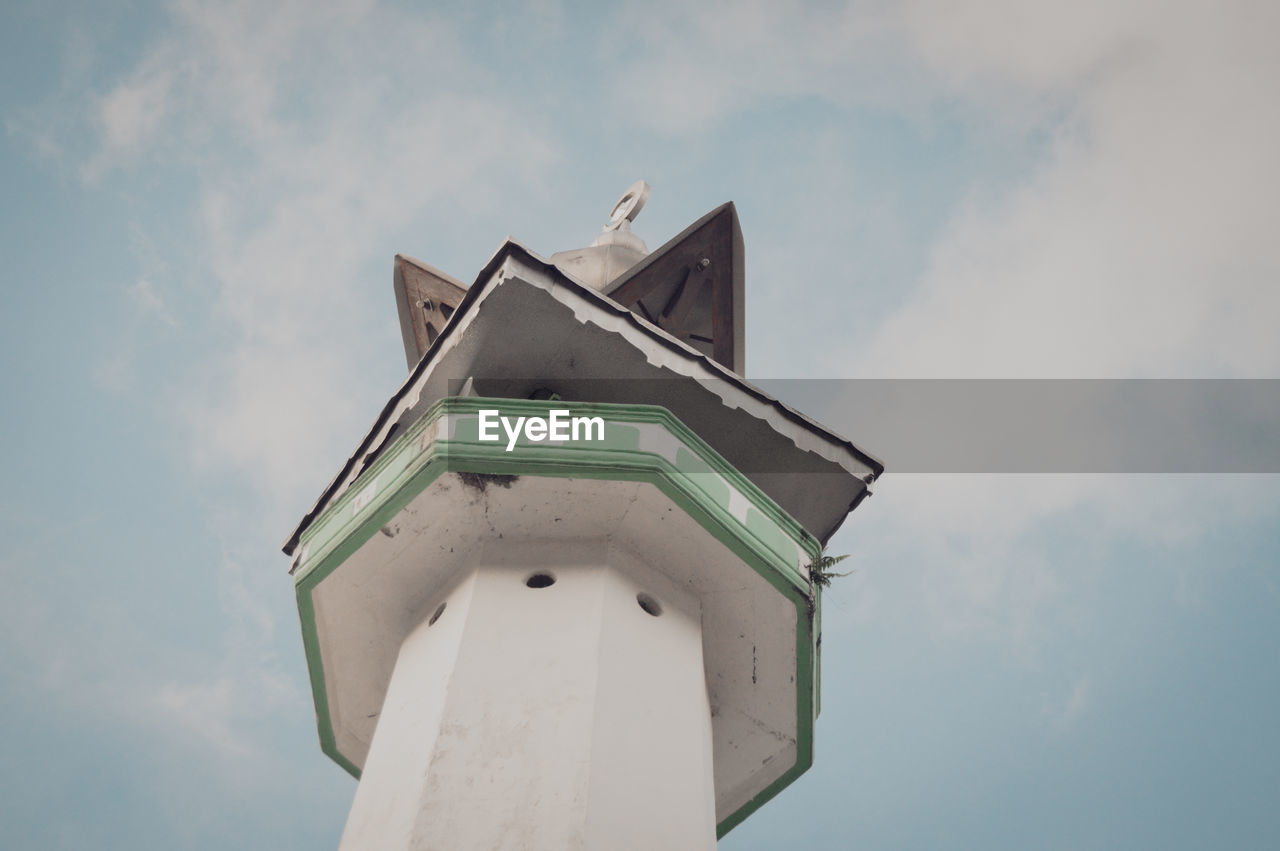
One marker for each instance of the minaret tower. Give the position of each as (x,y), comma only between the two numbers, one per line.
(559,597)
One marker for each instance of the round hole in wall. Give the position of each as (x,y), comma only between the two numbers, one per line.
(540,580)
(650,605)
(435,616)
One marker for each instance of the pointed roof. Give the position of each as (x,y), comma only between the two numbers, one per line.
(524,326)
(425,299)
(693,288)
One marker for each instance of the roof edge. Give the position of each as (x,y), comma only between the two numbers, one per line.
(512,249)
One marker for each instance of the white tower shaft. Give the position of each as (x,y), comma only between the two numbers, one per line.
(560,717)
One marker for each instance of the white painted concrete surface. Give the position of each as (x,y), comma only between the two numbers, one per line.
(561,717)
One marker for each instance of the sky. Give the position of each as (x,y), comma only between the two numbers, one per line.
(202,201)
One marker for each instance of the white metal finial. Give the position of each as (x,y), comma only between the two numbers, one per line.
(628,206)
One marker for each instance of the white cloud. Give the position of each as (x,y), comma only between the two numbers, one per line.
(1017,560)
(72,648)
(681,68)
(1138,245)
(129,117)
(312,133)
(132,111)
(309,133)
(1064,714)
(144,294)
(113,373)
(1030,46)
(1141,246)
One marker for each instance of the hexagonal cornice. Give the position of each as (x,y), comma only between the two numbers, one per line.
(369,565)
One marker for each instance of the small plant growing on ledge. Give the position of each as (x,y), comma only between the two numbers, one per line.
(820,569)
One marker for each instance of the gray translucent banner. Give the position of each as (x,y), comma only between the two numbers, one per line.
(998,425)
(1050,426)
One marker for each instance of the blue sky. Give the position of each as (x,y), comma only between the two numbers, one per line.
(202,201)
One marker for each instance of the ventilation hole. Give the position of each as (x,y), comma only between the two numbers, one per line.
(446,310)
(540,580)
(432,333)
(436,615)
(650,605)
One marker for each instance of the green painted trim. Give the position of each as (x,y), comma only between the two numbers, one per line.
(304,585)
(804,728)
(613,413)
(817,650)
(417,458)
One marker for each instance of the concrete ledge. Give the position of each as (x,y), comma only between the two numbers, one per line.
(649,495)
